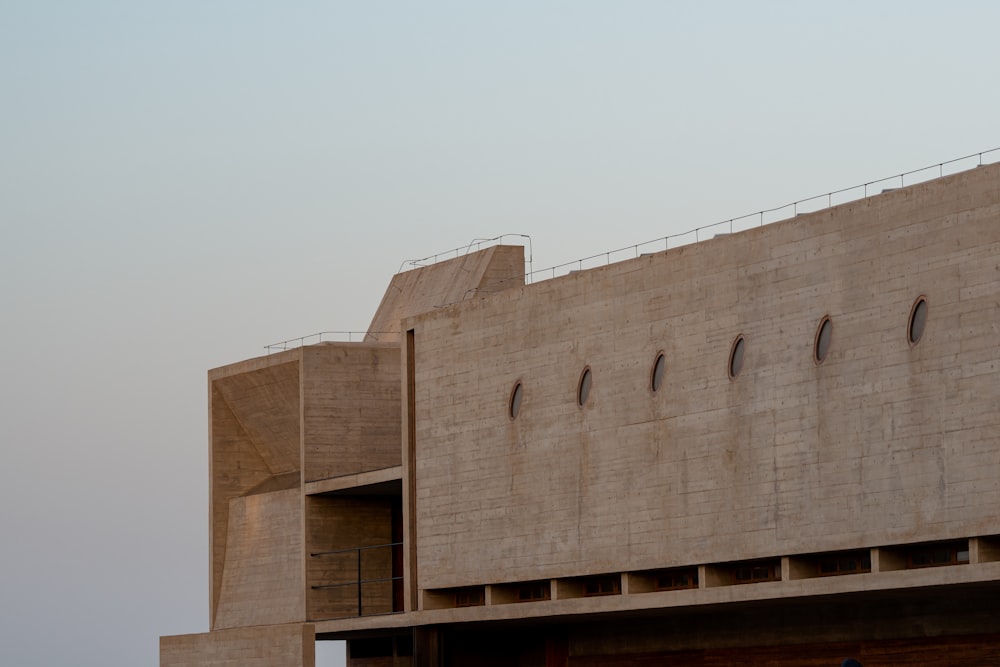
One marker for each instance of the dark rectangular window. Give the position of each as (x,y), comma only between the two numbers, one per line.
(936,555)
(854,562)
(533,592)
(755,573)
(677,579)
(602,586)
(470,597)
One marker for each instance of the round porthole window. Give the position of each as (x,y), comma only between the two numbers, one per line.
(821,345)
(583,388)
(918,320)
(736,357)
(656,375)
(516,396)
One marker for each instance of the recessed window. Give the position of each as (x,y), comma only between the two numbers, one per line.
(516,396)
(918,320)
(533,593)
(736,357)
(854,562)
(656,376)
(755,573)
(935,555)
(821,346)
(583,389)
(602,586)
(470,597)
(673,580)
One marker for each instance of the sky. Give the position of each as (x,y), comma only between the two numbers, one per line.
(183,183)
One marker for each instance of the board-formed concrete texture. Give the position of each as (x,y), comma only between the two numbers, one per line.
(710,468)
(262,581)
(268,646)
(350,411)
(812,472)
(466,277)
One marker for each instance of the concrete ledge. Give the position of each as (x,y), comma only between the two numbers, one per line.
(264,646)
(353,482)
(887,582)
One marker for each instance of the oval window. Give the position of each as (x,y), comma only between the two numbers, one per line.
(821,346)
(583,389)
(516,396)
(656,376)
(918,320)
(736,357)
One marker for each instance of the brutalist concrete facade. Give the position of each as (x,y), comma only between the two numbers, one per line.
(776,447)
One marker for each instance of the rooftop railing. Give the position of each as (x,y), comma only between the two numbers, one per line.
(739,223)
(475,245)
(325,337)
(769,215)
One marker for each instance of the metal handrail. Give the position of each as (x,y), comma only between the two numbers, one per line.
(360,581)
(638,249)
(317,554)
(355,583)
(463,250)
(318,337)
(665,240)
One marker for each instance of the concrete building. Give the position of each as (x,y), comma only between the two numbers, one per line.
(778,447)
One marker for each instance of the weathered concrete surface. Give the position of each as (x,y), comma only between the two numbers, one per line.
(272,646)
(262,582)
(884,443)
(254,441)
(350,409)
(266,403)
(491,270)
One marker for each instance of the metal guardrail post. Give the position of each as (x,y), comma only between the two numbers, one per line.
(529,276)
(360,581)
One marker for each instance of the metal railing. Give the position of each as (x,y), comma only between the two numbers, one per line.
(326,337)
(760,218)
(360,581)
(739,223)
(476,244)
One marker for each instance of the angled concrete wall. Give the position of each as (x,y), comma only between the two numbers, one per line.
(262,582)
(254,442)
(419,290)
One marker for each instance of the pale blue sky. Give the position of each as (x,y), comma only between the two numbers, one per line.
(183,183)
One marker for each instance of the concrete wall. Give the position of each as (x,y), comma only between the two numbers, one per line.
(253,441)
(314,413)
(351,409)
(262,582)
(275,646)
(883,443)
(266,401)
(468,276)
